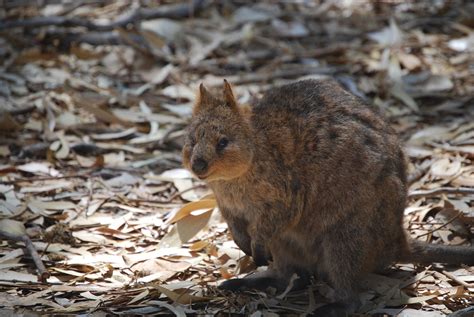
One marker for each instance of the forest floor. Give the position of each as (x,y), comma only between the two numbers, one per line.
(94,99)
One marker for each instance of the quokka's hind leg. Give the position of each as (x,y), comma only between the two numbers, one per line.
(273,277)
(343,262)
(263,282)
(345,297)
(257,281)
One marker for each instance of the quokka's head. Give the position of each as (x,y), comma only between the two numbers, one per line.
(218,143)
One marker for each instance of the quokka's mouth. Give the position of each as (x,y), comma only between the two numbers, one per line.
(205,176)
(202,177)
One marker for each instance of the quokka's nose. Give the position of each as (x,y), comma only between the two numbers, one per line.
(199,166)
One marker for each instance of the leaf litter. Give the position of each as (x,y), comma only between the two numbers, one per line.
(92,123)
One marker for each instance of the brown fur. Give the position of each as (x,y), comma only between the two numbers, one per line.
(312,180)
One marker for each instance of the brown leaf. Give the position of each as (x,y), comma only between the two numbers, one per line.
(159,269)
(450,216)
(181,296)
(187,209)
(95,104)
(199,245)
(188,227)
(139,297)
(409,61)
(8,123)
(225,274)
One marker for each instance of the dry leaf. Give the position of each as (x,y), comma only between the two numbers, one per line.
(186,210)
(39,168)
(49,207)
(12,276)
(189,226)
(409,61)
(389,36)
(199,245)
(12,227)
(181,296)
(444,168)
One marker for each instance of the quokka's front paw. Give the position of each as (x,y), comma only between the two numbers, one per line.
(260,254)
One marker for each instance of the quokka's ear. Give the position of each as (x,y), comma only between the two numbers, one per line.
(229,96)
(203,99)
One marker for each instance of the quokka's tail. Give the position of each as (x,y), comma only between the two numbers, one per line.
(426,253)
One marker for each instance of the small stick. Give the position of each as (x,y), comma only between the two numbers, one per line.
(23,110)
(169,200)
(39,179)
(416,175)
(286,73)
(185,191)
(440,227)
(43,272)
(441,190)
(457,280)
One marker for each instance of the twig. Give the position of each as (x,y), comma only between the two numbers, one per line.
(165,201)
(175,11)
(22,110)
(452,148)
(43,273)
(289,287)
(87,174)
(416,175)
(286,73)
(440,227)
(91,38)
(89,199)
(337,48)
(441,190)
(30,180)
(45,249)
(178,194)
(457,280)
(168,133)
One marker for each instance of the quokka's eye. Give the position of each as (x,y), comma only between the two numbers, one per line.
(222,144)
